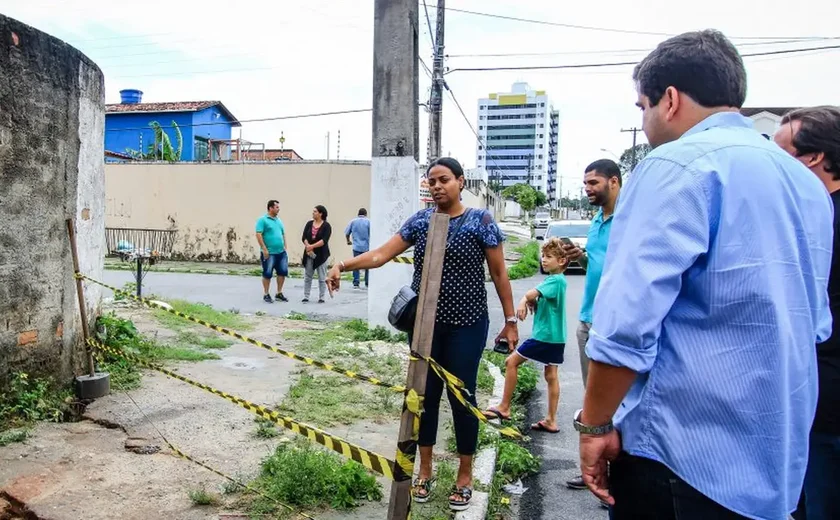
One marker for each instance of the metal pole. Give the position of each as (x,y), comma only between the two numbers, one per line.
(139,276)
(80,292)
(436,101)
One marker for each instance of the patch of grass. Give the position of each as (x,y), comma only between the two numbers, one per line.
(528,264)
(329,480)
(265,429)
(362,332)
(201,311)
(331,399)
(515,461)
(29,399)
(201,497)
(526,381)
(124,375)
(485,381)
(297,316)
(11,436)
(437,508)
(194,339)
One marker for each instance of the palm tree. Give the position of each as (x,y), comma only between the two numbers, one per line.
(161,149)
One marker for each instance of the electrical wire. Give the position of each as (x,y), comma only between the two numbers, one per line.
(612,51)
(607,29)
(429,23)
(472,128)
(624,63)
(259,120)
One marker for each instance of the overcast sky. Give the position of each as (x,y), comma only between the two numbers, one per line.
(264,59)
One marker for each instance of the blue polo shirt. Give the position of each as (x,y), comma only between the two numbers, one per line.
(272,231)
(596,251)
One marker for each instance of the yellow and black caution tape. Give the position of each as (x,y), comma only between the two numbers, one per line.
(403,259)
(309,361)
(458,391)
(372,461)
(453,383)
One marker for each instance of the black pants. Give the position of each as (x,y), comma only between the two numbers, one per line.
(458,350)
(647,490)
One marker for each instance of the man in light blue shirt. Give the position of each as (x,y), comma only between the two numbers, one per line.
(713,295)
(359,230)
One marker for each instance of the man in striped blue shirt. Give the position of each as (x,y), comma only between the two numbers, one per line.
(712,297)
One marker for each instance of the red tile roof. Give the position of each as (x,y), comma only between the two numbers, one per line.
(169,106)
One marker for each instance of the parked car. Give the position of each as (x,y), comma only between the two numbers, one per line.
(575,230)
(541,221)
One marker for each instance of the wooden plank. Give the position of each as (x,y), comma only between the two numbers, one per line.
(424,327)
(80,292)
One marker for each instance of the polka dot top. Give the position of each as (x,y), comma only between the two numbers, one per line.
(463,297)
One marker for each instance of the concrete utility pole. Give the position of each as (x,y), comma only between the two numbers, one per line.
(436,101)
(394,177)
(635,131)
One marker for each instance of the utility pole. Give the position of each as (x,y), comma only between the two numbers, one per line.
(436,101)
(633,159)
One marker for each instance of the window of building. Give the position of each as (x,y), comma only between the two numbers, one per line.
(481,128)
(481,117)
(542,125)
(542,104)
(480,147)
(200,149)
(539,157)
(541,146)
(541,136)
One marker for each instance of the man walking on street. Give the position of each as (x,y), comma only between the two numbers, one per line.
(359,230)
(812,135)
(713,295)
(602,181)
(271,235)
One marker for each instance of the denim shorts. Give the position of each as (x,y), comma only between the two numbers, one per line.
(278,262)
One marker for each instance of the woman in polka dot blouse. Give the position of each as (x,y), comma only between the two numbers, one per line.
(462,322)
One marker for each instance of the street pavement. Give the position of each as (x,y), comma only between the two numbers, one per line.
(547,496)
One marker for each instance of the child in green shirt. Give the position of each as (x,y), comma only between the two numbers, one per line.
(548,340)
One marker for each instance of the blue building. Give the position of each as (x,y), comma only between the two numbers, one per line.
(128,126)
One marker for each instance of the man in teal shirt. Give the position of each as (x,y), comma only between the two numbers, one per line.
(602,182)
(271,235)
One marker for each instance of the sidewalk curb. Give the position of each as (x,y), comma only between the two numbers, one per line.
(484,465)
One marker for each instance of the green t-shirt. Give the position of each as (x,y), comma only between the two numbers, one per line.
(550,318)
(272,231)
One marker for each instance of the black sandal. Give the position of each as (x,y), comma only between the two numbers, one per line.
(424,485)
(465,493)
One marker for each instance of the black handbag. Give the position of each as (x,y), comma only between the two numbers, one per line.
(403,309)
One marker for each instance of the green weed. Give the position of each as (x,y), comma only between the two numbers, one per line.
(485,381)
(331,399)
(32,399)
(437,508)
(514,461)
(528,264)
(297,316)
(194,339)
(10,436)
(201,497)
(329,480)
(265,429)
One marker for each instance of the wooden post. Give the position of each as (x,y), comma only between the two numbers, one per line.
(424,327)
(71,232)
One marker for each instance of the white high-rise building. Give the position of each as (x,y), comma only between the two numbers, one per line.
(518,133)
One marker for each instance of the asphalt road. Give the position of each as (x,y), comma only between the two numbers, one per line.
(547,496)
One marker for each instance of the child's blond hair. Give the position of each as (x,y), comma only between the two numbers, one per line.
(554,247)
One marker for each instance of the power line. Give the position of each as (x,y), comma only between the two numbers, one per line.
(429,23)
(607,29)
(611,51)
(474,131)
(624,63)
(259,120)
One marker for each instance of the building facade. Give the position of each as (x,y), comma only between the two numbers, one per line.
(518,139)
(128,126)
(766,120)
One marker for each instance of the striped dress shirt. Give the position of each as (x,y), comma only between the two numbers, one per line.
(714,291)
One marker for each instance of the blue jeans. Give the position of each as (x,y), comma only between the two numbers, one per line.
(819,499)
(278,262)
(356,273)
(458,350)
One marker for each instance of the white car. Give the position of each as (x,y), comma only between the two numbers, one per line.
(576,230)
(541,221)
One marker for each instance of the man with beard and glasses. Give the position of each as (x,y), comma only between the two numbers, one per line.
(602,182)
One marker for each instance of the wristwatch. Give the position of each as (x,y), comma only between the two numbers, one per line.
(591,430)
(512,319)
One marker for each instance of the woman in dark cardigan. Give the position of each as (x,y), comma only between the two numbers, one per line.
(316,238)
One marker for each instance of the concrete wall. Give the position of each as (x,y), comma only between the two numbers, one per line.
(214,207)
(51,147)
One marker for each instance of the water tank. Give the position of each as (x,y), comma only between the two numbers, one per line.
(131,96)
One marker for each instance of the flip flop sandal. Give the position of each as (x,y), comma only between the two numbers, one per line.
(494,413)
(540,426)
(465,494)
(424,485)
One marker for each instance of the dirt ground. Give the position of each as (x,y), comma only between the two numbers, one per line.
(114,463)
